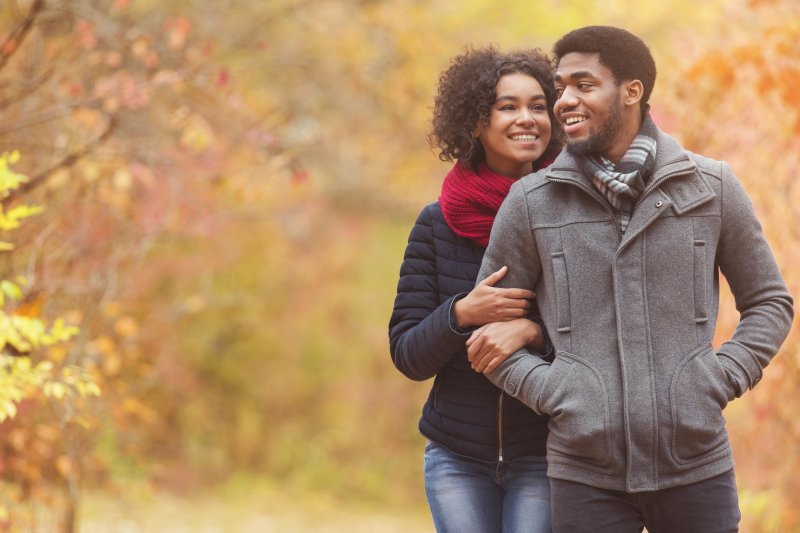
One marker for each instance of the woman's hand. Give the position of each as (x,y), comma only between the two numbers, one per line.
(487,303)
(490,345)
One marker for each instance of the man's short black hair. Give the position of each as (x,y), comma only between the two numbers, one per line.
(623,53)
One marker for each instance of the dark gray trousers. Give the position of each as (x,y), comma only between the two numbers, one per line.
(709,506)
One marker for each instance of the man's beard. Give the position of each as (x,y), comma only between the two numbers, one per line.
(600,141)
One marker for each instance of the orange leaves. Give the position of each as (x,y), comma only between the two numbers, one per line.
(177,30)
(8,47)
(31,305)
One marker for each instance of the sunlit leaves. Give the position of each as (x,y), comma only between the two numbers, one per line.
(738,99)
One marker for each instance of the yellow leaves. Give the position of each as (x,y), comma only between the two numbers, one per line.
(134,407)
(122,179)
(23,331)
(126,326)
(9,180)
(18,377)
(12,218)
(10,290)
(196,133)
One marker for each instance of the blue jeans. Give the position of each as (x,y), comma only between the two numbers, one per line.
(473,496)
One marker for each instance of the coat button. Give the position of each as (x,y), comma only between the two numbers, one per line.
(511,387)
(659,203)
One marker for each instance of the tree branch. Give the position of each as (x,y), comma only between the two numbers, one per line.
(13,40)
(66,162)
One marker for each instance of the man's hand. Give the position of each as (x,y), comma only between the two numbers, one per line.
(486,303)
(490,345)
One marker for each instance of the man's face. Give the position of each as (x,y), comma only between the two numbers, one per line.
(589,105)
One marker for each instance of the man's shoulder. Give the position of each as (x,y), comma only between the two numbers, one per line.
(675,151)
(708,165)
(533,181)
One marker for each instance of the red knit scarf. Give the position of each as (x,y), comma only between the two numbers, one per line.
(470,200)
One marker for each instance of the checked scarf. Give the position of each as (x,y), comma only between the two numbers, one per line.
(623,183)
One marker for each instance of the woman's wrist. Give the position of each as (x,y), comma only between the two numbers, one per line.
(461,311)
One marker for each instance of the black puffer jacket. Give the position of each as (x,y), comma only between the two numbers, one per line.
(464,412)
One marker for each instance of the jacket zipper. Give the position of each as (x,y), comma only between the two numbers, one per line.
(639,200)
(500,428)
(592,193)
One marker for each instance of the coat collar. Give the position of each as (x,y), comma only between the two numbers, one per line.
(671,161)
(676,182)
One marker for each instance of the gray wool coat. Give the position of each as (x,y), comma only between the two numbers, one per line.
(636,391)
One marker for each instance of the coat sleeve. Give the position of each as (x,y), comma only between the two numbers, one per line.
(761,296)
(423,336)
(511,244)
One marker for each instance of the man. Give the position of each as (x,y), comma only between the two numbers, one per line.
(623,239)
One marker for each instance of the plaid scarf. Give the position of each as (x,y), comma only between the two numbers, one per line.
(623,183)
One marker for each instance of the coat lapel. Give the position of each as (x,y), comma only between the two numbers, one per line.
(676,183)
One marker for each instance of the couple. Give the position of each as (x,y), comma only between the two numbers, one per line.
(609,372)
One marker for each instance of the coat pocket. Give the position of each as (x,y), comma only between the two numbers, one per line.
(699,391)
(562,292)
(575,397)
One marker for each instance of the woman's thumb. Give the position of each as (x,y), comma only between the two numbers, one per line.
(494,277)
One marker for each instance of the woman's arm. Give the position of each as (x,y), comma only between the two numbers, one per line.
(423,334)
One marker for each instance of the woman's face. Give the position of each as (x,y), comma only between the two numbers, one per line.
(519,126)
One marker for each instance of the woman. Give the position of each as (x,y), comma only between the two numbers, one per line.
(485,467)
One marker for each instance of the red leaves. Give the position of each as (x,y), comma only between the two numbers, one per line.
(86,34)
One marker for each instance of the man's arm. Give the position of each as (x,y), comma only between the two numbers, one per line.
(511,244)
(764,303)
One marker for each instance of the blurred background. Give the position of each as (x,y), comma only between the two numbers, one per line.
(195,324)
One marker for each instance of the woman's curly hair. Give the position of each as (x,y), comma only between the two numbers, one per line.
(466,95)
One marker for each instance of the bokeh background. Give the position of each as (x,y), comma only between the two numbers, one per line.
(228,187)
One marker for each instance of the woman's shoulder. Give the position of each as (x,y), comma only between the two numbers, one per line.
(431,212)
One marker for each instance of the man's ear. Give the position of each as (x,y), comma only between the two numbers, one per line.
(634,90)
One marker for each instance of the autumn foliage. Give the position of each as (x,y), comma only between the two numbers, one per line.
(226,192)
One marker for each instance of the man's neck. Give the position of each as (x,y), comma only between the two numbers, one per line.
(623,142)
